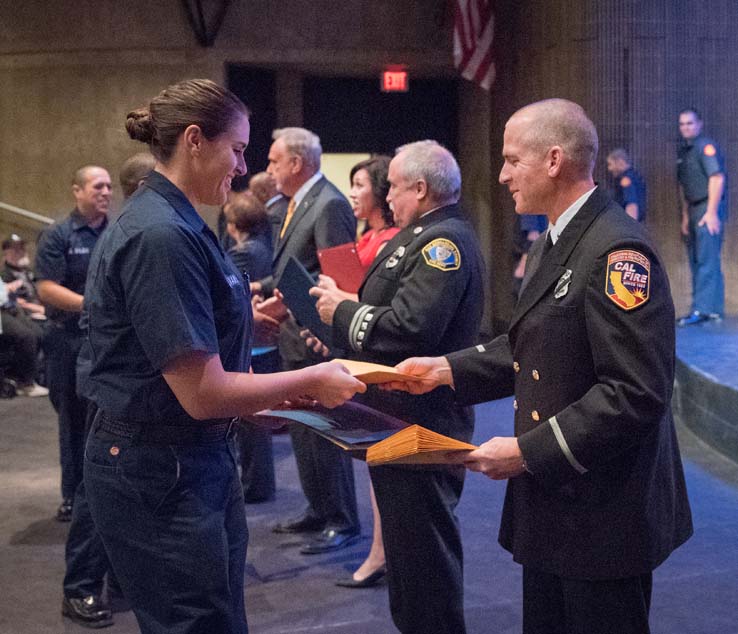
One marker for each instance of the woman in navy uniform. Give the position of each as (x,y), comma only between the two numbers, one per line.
(169,330)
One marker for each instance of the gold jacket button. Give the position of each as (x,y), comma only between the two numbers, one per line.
(515,405)
(516,366)
(536,376)
(534,415)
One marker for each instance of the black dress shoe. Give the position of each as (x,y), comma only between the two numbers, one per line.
(303,524)
(88,612)
(64,512)
(694,318)
(367,582)
(330,539)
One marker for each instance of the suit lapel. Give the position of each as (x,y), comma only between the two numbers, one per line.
(545,271)
(305,204)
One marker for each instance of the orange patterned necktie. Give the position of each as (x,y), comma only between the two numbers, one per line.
(288,217)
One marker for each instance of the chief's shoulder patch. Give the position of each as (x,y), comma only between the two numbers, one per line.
(625,181)
(709,150)
(442,254)
(628,278)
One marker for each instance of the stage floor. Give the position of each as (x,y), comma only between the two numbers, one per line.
(712,349)
(694,591)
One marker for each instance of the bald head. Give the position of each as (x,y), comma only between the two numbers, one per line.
(92,190)
(562,123)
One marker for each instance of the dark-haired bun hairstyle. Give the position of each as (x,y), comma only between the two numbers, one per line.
(140,126)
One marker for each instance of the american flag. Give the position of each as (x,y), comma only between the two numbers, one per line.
(473,31)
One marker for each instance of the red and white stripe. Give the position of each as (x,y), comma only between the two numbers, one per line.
(473,33)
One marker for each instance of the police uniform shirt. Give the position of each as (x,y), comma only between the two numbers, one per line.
(630,189)
(63,257)
(696,162)
(160,287)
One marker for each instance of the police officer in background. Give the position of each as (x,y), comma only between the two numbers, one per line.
(62,259)
(702,183)
(422,295)
(630,190)
(596,497)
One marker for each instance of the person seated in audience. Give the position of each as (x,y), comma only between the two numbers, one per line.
(22,336)
(17,266)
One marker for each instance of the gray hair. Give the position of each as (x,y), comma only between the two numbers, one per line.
(563,123)
(431,162)
(302,143)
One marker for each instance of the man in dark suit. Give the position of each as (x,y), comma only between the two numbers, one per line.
(318,216)
(596,497)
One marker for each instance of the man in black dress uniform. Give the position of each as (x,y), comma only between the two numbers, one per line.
(422,294)
(596,497)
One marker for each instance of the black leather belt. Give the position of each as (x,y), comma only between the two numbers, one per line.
(167,434)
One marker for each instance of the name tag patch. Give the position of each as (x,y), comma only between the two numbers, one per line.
(628,278)
(233,280)
(442,254)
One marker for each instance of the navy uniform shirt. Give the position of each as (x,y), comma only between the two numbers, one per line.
(630,189)
(160,287)
(696,162)
(63,256)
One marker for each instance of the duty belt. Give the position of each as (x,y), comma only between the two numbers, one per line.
(160,433)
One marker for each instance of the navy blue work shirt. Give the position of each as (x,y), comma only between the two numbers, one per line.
(63,256)
(630,188)
(697,160)
(160,287)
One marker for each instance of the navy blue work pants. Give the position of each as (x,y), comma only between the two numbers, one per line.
(173,523)
(85,556)
(62,348)
(708,288)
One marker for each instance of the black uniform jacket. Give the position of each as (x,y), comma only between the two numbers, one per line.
(422,295)
(593,376)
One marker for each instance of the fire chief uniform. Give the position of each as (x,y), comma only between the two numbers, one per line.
(422,295)
(589,356)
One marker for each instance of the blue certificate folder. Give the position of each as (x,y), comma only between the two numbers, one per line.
(295,285)
(351,426)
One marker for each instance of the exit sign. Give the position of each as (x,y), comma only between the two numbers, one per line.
(395,81)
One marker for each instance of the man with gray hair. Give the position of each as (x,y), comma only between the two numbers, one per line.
(318,216)
(423,294)
(596,496)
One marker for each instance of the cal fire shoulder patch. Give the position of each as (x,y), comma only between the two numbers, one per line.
(625,181)
(709,150)
(628,278)
(442,254)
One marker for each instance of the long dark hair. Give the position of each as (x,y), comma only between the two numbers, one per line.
(377,167)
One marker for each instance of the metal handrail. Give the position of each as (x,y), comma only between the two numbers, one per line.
(27,214)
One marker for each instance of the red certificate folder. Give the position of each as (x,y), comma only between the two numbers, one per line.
(343,265)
